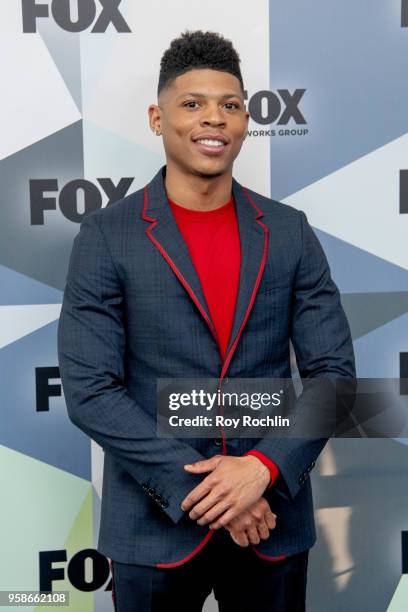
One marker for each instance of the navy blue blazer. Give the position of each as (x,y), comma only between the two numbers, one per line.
(134,310)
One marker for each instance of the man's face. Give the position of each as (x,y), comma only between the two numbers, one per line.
(201,105)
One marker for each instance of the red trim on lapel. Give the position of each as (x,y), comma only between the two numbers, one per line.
(181,278)
(153,223)
(255,289)
(190,555)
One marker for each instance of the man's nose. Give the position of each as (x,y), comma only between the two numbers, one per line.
(212,116)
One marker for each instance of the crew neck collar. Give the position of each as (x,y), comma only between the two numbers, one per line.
(189,212)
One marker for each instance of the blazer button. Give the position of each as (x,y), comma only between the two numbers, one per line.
(145,485)
(164,503)
(151,492)
(218,441)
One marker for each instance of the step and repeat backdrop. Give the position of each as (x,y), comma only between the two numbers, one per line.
(327,91)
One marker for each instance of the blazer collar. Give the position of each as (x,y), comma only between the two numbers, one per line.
(163,231)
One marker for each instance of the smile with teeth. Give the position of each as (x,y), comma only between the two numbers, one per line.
(211,143)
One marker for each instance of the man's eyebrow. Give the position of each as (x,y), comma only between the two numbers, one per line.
(201,95)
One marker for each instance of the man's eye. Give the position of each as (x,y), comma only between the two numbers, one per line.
(192,102)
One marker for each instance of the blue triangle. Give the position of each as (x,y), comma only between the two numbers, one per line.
(46,435)
(354,270)
(22,289)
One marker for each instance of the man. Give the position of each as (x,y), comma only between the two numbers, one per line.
(197,276)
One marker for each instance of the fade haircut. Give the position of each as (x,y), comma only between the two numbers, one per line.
(198,49)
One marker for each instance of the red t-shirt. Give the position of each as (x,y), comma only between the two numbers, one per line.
(212,238)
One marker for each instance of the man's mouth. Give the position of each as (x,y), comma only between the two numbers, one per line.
(209,146)
(211,143)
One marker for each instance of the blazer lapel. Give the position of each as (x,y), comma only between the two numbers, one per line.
(254,239)
(163,231)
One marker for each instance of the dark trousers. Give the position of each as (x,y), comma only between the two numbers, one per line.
(242,582)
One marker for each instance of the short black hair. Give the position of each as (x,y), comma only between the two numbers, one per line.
(198,49)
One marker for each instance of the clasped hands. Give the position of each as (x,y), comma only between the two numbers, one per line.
(231,497)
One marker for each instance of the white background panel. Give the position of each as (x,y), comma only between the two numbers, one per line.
(35,104)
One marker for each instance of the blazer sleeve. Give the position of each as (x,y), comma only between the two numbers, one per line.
(91,348)
(322,342)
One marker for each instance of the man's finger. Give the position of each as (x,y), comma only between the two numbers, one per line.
(236,524)
(270,519)
(253,535)
(214,512)
(209,509)
(201,507)
(226,518)
(263,530)
(239,538)
(196,495)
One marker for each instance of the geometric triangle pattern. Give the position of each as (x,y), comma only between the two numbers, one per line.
(349,58)
(378,353)
(400,598)
(110,154)
(65,52)
(22,320)
(22,289)
(368,311)
(34,418)
(355,270)
(343,168)
(31,209)
(359,203)
(32,485)
(37,105)
(78,115)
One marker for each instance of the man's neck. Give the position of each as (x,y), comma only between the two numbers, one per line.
(195,192)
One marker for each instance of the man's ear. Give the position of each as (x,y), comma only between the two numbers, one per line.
(247,116)
(154,113)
